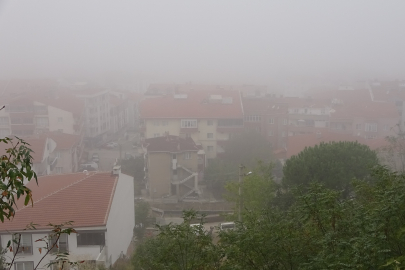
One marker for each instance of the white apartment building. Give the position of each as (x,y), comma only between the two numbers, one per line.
(104,220)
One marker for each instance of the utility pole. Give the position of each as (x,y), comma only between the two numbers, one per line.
(240,192)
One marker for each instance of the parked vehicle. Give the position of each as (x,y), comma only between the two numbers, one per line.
(95,157)
(227,226)
(111,145)
(91,166)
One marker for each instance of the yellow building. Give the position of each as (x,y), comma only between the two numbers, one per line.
(208,117)
(173,166)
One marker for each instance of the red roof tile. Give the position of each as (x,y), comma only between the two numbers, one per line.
(84,199)
(298,143)
(37,145)
(63,140)
(195,105)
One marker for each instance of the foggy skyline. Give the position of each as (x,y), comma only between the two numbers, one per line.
(203,41)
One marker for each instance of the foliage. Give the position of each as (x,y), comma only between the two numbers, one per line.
(141,218)
(247,148)
(134,167)
(256,190)
(15,170)
(323,231)
(180,246)
(333,164)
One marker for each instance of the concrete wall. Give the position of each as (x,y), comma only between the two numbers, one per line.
(67,124)
(159,174)
(121,219)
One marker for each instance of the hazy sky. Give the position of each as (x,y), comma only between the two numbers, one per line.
(222,40)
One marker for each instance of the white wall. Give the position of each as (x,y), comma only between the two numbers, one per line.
(121,220)
(76,253)
(67,124)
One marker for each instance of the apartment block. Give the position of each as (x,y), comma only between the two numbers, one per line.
(173,166)
(208,117)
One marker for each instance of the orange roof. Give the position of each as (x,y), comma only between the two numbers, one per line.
(37,145)
(263,106)
(64,101)
(297,143)
(63,140)
(295,102)
(84,199)
(195,105)
(366,110)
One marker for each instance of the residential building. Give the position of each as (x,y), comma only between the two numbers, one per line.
(68,151)
(101,206)
(173,166)
(97,114)
(118,113)
(43,147)
(269,117)
(306,115)
(208,117)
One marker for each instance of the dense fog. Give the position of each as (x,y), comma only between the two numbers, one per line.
(231,41)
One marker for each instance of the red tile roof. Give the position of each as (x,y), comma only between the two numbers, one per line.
(263,106)
(37,145)
(196,105)
(170,143)
(295,102)
(63,100)
(84,199)
(366,110)
(298,143)
(63,140)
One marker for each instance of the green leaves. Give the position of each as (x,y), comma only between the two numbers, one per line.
(15,171)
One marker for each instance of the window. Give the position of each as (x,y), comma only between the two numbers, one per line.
(285,121)
(210,122)
(164,123)
(156,135)
(295,110)
(4,121)
(61,245)
(386,128)
(187,155)
(4,132)
(57,154)
(25,243)
(372,136)
(58,170)
(15,120)
(28,120)
(24,266)
(188,135)
(283,134)
(60,119)
(271,121)
(42,122)
(358,126)
(270,133)
(57,265)
(90,239)
(156,123)
(210,135)
(370,127)
(253,118)
(230,122)
(210,148)
(185,123)
(322,111)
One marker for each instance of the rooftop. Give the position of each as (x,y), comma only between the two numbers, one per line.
(194,104)
(84,199)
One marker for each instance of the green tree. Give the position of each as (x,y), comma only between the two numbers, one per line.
(15,171)
(179,247)
(247,148)
(333,164)
(141,218)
